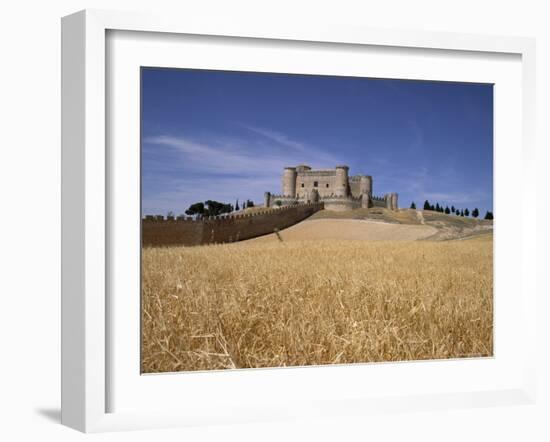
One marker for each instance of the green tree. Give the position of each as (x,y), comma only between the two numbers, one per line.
(278,203)
(466,212)
(195,209)
(447,210)
(209,208)
(237,205)
(215,208)
(462,212)
(249,203)
(489,215)
(453,210)
(413,205)
(437,207)
(427,205)
(475,213)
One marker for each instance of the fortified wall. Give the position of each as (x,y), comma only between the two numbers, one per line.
(170,231)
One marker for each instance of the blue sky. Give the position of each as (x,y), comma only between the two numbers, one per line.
(227,135)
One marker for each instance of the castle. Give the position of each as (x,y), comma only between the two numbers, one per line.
(304,192)
(333,187)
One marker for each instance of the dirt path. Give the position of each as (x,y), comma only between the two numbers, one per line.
(350,229)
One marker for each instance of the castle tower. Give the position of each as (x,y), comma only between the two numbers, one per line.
(387,200)
(289,182)
(365,185)
(394,201)
(341,182)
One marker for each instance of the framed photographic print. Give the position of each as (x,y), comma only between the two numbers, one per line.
(253,213)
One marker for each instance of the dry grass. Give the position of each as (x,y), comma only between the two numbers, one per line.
(301,303)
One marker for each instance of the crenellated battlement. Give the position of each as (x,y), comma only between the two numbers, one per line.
(225,217)
(158,230)
(340,197)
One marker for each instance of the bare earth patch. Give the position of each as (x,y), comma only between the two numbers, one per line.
(350,229)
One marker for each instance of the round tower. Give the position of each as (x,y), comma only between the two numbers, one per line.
(387,200)
(289,182)
(341,182)
(394,201)
(365,185)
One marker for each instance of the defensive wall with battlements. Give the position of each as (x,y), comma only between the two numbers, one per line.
(171,231)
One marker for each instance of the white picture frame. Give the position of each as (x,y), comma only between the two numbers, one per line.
(86,207)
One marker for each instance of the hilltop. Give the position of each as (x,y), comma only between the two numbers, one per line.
(383,224)
(446,226)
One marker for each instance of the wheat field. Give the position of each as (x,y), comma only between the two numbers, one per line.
(276,304)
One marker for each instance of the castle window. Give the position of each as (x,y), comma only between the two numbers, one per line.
(302,184)
(315,183)
(327,185)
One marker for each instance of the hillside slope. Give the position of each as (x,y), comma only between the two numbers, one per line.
(382,224)
(350,229)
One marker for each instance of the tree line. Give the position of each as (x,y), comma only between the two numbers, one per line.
(453,210)
(215,208)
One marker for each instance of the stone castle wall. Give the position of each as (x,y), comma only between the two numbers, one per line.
(340,204)
(325,179)
(337,203)
(160,231)
(304,184)
(354,186)
(378,201)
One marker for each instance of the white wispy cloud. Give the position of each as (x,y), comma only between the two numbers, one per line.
(302,150)
(278,137)
(181,193)
(221,156)
(226,168)
(222,168)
